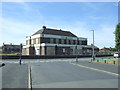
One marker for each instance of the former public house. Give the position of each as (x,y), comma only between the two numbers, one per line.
(47,41)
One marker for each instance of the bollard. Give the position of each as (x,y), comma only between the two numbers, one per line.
(113,62)
(20,61)
(76,60)
(105,61)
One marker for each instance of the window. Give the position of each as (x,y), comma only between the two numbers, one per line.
(59,41)
(32,41)
(84,43)
(62,41)
(78,42)
(36,40)
(54,40)
(69,42)
(65,41)
(46,40)
(63,50)
(51,40)
(74,42)
(27,42)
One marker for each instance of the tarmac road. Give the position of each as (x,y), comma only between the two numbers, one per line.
(66,75)
(53,74)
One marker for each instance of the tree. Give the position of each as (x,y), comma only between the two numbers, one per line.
(117,37)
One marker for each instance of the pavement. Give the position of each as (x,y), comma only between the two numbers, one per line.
(15,76)
(61,74)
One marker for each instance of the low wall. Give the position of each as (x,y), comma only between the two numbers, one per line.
(46,57)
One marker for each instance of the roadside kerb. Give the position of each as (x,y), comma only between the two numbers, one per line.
(95,69)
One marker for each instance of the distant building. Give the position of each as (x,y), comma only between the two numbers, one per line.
(105,49)
(48,41)
(10,48)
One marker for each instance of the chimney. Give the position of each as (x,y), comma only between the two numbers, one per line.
(44,27)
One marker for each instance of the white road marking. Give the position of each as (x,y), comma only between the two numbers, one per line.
(96,69)
(29,81)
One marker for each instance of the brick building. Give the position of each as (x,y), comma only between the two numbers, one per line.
(48,41)
(10,48)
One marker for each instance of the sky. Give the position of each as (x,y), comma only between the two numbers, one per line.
(21,19)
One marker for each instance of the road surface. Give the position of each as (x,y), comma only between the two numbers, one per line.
(59,74)
(15,76)
(66,75)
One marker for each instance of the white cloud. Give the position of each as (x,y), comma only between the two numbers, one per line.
(15,32)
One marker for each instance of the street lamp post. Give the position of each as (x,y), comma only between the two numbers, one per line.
(20,53)
(76,51)
(93,55)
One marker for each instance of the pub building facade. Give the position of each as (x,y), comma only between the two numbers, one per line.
(47,41)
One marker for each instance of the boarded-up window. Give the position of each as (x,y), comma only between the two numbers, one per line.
(36,40)
(62,41)
(59,41)
(51,40)
(65,41)
(32,41)
(54,40)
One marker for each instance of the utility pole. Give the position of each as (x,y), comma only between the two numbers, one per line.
(93,55)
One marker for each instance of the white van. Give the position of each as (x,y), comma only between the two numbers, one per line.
(117,55)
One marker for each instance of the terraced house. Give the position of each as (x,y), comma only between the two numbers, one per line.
(48,41)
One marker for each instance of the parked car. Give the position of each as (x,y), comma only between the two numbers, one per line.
(117,55)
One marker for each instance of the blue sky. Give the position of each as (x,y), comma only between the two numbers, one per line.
(21,19)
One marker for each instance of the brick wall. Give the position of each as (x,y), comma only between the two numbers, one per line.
(24,51)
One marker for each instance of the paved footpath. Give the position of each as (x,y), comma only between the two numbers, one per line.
(15,76)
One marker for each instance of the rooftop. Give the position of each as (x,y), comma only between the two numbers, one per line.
(60,32)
